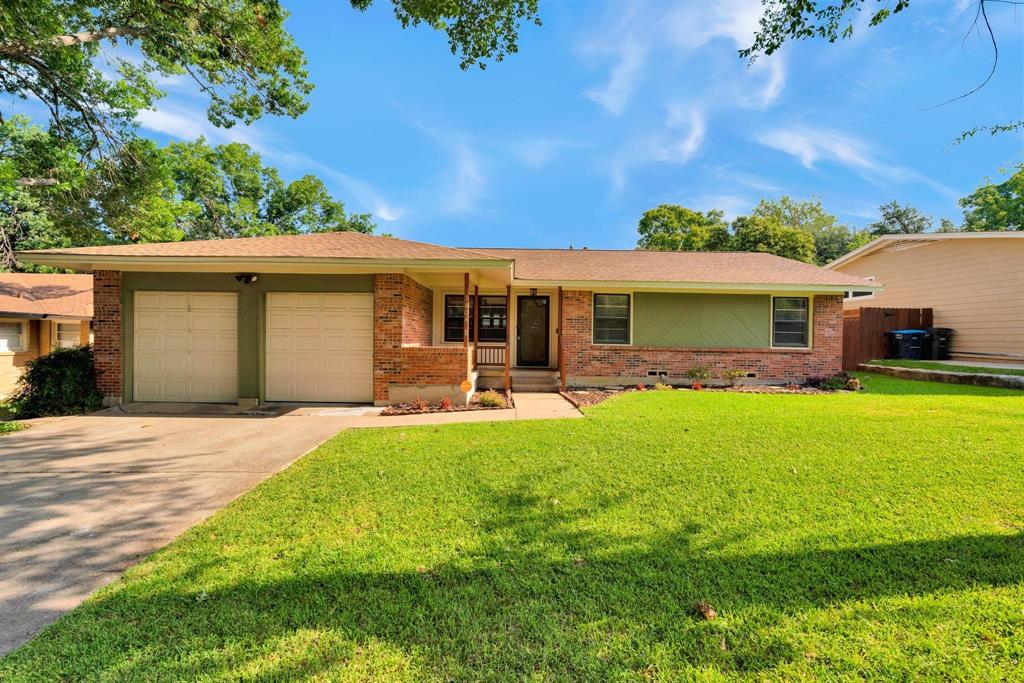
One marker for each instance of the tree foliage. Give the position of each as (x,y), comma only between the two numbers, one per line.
(785,20)
(832,239)
(996,206)
(670,227)
(898,219)
(237,52)
(768,235)
(182,191)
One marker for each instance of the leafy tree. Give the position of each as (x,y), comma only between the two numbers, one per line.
(900,219)
(183,191)
(226,191)
(786,20)
(756,233)
(946,225)
(831,238)
(237,52)
(996,207)
(670,227)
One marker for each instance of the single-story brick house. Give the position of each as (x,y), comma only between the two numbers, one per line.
(347,317)
(38,313)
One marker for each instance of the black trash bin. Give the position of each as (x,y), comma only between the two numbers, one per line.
(908,344)
(940,340)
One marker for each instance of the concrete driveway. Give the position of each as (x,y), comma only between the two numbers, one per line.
(84,498)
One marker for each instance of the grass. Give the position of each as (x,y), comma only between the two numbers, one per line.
(932,365)
(7,426)
(876,535)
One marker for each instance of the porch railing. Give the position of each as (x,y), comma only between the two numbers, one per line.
(490,355)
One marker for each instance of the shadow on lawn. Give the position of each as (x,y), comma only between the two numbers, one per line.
(543,595)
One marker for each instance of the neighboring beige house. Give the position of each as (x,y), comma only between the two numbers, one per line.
(38,313)
(973,282)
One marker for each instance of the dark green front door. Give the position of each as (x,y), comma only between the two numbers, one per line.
(532,329)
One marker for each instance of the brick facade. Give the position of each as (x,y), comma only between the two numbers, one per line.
(584,359)
(108,343)
(402,336)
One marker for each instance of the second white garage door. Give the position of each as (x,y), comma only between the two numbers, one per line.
(319,347)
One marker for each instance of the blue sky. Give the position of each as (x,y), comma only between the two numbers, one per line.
(611,109)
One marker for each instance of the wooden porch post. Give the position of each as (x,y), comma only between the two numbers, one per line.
(508,337)
(561,352)
(465,312)
(476,318)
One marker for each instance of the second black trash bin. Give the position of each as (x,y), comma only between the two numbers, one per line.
(940,338)
(908,344)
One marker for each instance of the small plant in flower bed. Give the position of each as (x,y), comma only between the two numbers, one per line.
(445,404)
(699,372)
(696,386)
(661,386)
(838,382)
(491,399)
(733,376)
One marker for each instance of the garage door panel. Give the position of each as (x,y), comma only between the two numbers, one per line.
(186,346)
(329,356)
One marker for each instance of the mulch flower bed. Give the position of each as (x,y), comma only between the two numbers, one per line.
(474,404)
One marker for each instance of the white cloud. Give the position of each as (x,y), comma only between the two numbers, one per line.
(464,185)
(188,123)
(683,149)
(813,145)
(537,152)
(630,57)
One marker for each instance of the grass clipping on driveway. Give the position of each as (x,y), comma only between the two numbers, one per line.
(876,534)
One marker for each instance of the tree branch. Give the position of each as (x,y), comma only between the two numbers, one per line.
(14,49)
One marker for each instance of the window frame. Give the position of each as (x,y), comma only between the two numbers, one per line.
(480,319)
(851,294)
(23,336)
(444,318)
(55,333)
(808,322)
(473,314)
(629,319)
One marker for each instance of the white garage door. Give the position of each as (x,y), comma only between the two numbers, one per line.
(320,347)
(186,346)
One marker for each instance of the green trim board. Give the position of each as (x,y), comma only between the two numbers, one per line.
(251,303)
(702,320)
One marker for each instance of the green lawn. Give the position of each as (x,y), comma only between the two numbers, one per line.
(6,427)
(876,535)
(932,365)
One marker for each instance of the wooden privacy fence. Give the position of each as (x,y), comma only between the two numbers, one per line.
(864,331)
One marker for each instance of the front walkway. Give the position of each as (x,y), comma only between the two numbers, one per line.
(83,498)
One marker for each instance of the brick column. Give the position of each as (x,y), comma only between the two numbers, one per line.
(387,332)
(108,343)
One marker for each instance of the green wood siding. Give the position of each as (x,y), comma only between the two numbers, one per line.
(251,302)
(702,320)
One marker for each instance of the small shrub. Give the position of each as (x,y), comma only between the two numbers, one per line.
(421,405)
(696,386)
(641,387)
(445,404)
(734,375)
(60,383)
(661,386)
(832,383)
(699,372)
(492,399)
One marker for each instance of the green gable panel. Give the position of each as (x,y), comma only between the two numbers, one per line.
(250,311)
(702,320)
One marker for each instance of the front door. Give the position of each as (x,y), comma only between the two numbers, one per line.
(532,322)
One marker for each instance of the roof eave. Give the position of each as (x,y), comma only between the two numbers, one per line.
(702,286)
(236,263)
